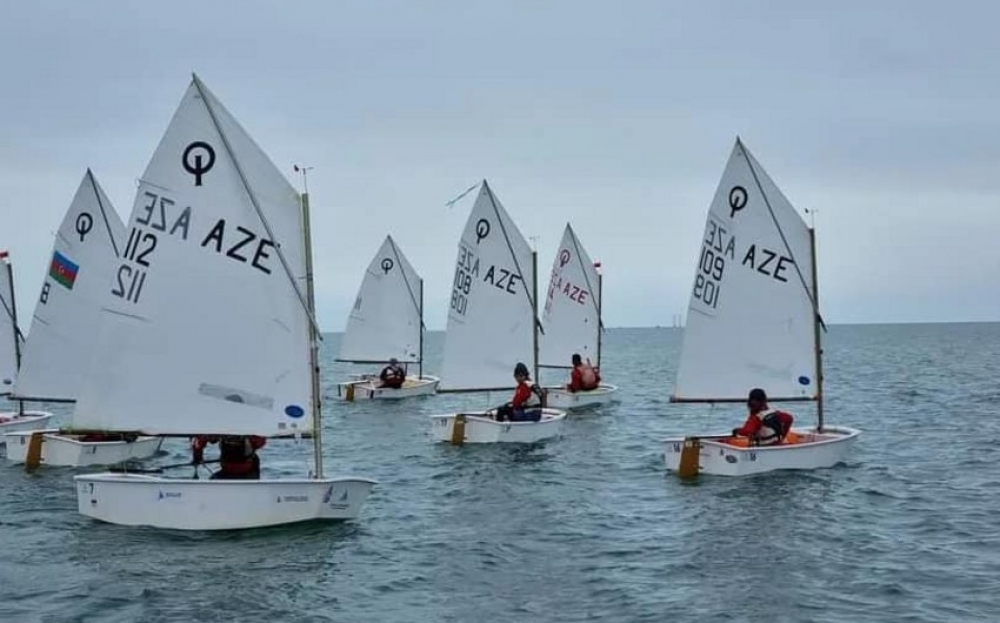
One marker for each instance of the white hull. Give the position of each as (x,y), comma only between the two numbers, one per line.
(185,504)
(480,428)
(68,451)
(814,451)
(368,389)
(28,421)
(560,398)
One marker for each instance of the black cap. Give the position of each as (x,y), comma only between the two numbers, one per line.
(757,394)
(521,370)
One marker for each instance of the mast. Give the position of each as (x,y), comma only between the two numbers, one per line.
(313,341)
(600,316)
(420,363)
(14,327)
(816,334)
(534,310)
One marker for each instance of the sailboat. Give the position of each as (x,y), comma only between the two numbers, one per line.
(572,321)
(11,346)
(387,322)
(753,321)
(64,329)
(206,331)
(492,325)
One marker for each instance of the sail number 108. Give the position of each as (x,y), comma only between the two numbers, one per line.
(707,281)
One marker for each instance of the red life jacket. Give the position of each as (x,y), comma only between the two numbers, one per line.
(237,455)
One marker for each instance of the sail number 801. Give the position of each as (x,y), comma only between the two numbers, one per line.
(707,281)
(460,291)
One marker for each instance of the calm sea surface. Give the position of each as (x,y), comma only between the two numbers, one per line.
(588,527)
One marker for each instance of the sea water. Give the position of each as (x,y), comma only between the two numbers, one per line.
(587,527)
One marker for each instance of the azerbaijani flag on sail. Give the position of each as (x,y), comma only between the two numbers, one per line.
(63,270)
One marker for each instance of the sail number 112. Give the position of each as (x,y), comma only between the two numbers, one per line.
(131,278)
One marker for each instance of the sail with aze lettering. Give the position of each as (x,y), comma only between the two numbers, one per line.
(572,313)
(68,312)
(751,318)
(8,328)
(491,318)
(205,328)
(385,321)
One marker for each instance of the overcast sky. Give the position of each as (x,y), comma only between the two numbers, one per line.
(616,116)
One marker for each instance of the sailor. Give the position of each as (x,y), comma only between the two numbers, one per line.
(764,426)
(237,455)
(528,399)
(584,376)
(393,375)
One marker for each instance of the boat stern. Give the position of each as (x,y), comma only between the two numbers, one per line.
(343,497)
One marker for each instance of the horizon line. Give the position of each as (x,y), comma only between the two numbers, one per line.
(831,324)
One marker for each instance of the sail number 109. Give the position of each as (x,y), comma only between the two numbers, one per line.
(707,281)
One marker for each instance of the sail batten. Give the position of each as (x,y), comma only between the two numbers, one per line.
(506,237)
(572,313)
(491,321)
(751,312)
(203,91)
(204,329)
(752,164)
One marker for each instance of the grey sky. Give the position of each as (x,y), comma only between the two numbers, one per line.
(616,116)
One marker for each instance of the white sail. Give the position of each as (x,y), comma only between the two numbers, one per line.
(491,319)
(205,328)
(8,330)
(750,321)
(68,313)
(385,321)
(572,313)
